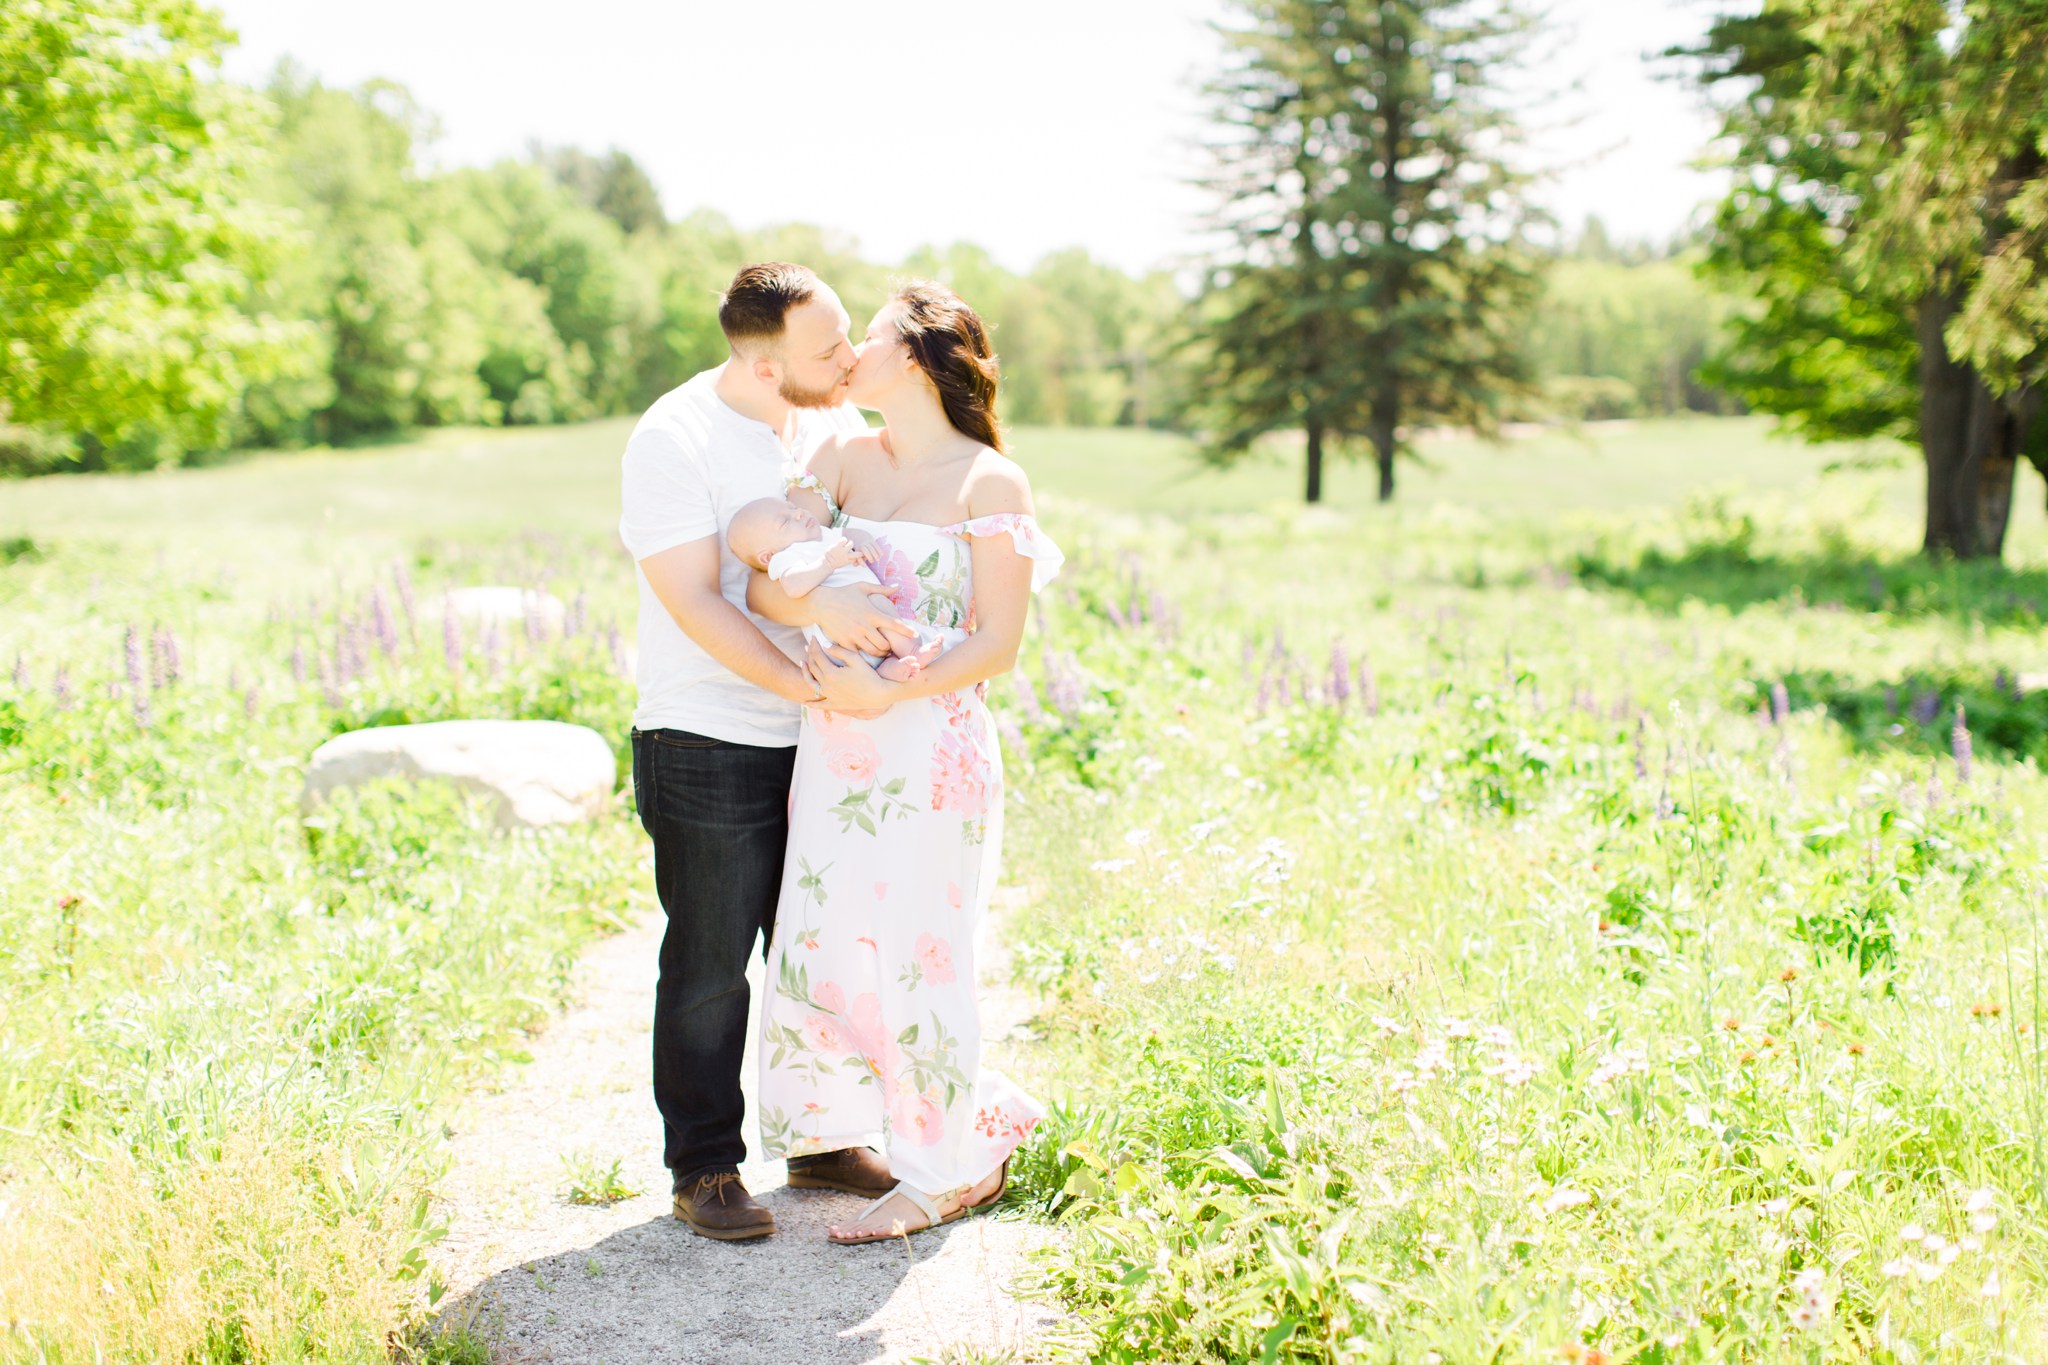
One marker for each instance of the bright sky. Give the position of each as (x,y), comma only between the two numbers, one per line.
(1024,128)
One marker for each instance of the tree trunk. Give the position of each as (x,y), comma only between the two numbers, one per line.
(1315,462)
(1381,428)
(1970,440)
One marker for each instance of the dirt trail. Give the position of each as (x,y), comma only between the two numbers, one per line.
(546,1280)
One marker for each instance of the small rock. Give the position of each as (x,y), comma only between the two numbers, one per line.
(537,772)
(2032,682)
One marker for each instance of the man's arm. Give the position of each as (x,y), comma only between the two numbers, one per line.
(685,581)
(859,617)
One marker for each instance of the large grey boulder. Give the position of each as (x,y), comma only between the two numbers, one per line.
(536,772)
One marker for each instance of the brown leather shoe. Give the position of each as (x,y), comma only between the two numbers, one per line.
(856,1170)
(718,1205)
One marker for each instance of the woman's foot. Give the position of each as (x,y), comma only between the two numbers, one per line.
(897,1215)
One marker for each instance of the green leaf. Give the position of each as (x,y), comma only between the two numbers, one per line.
(1276,1337)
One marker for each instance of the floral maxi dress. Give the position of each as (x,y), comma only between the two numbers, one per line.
(895,833)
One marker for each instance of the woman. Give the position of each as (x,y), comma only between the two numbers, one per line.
(895,820)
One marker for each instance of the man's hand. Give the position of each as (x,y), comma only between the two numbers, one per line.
(846,683)
(859,617)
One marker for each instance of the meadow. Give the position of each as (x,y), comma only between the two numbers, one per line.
(1564,914)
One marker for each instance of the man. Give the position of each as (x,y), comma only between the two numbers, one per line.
(715,732)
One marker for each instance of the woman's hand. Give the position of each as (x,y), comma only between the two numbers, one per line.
(846,683)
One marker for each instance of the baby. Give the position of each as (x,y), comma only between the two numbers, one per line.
(800,553)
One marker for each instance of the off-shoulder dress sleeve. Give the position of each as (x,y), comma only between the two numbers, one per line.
(803,478)
(1034,544)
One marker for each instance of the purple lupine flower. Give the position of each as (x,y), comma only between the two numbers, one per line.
(1959,747)
(234,679)
(1340,673)
(405,601)
(60,688)
(1027,697)
(1781,704)
(298,663)
(1135,612)
(1245,658)
(1116,616)
(1368,687)
(1265,696)
(451,635)
(494,646)
(618,648)
(579,614)
(536,624)
(141,710)
(249,702)
(159,675)
(131,650)
(20,671)
(1926,706)
(1158,608)
(1642,769)
(358,647)
(386,626)
(1064,688)
(1012,733)
(330,682)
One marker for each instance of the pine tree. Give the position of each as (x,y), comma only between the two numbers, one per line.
(1378,275)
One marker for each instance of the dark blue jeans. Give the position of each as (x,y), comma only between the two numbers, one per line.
(718,813)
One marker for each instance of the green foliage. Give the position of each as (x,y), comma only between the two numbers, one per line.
(1888,220)
(590,1182)
(1615,338)
(130,247)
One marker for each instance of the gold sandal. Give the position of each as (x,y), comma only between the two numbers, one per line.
(928,1207)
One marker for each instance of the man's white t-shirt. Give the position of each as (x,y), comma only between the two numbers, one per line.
(690,464)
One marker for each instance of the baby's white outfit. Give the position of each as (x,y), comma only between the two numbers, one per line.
(809,554)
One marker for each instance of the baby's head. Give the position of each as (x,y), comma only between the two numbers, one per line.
(766,527)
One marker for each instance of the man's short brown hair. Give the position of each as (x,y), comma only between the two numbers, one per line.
(755,309)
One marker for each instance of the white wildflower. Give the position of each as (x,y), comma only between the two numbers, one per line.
(1138,838)
(1912,1232)
(1566,1199)
(1979,1201)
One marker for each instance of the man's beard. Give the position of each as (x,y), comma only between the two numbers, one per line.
(810,398)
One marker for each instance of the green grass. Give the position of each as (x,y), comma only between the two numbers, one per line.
(1565,1000)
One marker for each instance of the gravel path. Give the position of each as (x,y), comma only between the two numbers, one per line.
(546,1280)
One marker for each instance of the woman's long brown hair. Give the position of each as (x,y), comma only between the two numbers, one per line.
(950,344)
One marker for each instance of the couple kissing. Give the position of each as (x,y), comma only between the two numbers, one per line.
(821,608)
